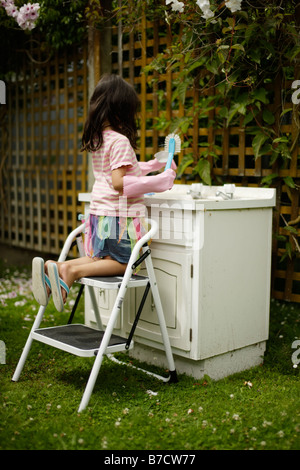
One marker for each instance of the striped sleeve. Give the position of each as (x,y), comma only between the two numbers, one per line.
(121,154)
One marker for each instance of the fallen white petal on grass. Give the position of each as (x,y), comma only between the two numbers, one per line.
(151,394)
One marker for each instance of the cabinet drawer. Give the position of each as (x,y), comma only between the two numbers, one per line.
(175,224)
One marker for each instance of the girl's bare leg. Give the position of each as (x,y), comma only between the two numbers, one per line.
(71,262)
(71,270)
(75,261)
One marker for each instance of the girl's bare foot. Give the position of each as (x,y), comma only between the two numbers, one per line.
(66,273)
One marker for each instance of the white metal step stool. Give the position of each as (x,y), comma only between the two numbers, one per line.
(85,341)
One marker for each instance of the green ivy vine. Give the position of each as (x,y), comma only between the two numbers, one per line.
(239,55)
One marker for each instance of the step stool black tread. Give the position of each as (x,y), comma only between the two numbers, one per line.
(79,336)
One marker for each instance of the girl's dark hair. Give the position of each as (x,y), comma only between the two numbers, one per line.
(114,103)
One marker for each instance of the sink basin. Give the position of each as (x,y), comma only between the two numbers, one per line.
(242,197)
(180,197)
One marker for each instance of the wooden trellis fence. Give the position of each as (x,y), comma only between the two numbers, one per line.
(42,169)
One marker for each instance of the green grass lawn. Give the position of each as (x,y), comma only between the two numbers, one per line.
(128,410)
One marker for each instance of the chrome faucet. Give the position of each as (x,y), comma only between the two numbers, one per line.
(223,195)
(195,191)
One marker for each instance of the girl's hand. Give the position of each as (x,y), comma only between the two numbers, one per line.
(154,165)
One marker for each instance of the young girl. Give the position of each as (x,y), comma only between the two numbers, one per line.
(117,204)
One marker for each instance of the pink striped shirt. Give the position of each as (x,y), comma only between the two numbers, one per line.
(115,152)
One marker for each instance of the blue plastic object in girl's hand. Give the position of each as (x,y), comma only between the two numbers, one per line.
(172,146)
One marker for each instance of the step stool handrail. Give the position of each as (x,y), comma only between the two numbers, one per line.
(144,240)
(68,243)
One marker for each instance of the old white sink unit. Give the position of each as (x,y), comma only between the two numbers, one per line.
(212,260)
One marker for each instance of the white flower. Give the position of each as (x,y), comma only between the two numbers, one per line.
(233,5)
(204,5)
(11,10)
(26,16)
(176,5)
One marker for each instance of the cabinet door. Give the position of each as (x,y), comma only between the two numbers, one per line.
(173,276)
(105,300)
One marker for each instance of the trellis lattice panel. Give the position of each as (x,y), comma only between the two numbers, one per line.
(42,168)
(235,162)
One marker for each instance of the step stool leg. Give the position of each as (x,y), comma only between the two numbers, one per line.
(92,380)
(161,319)
(28,344)
(99,358)
(105,341)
